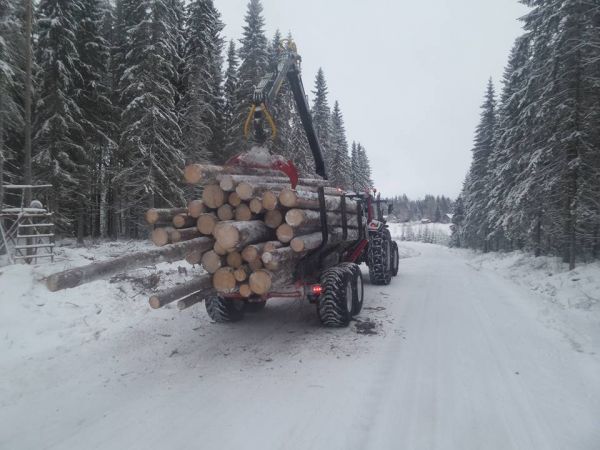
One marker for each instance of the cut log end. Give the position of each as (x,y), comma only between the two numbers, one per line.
(245,290)
(195,208)
(234,259)
(225,212)
(211,261)
(161,236)
(273,219)
(285,233)
(270,201)
(261,282)
(206,223)
(224,281)
(243,213)
(234,199)
(213,196)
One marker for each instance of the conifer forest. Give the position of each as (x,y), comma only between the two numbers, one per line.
(534,182)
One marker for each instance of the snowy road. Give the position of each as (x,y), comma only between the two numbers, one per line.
(462,359)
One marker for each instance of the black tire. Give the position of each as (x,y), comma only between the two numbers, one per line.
(254,307)
(395,259)
(223,310)
(335,304)
(380,250)
(358,286)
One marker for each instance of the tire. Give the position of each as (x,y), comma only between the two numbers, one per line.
(336,303)
(358,286)
(395,259)
(253,307)
(380,250)
(223,310)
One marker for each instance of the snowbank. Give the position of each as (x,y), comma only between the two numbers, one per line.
(572,298)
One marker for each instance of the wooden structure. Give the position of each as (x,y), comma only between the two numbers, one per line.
(26,231)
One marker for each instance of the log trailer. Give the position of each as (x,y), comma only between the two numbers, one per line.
(328,275)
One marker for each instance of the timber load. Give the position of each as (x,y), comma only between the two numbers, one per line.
(248,230)
(260,228)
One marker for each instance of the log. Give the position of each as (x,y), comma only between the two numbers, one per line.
(219,250)
(270,200)
(273,218)
(201,285)
(185,234)
(245,290)
(286,233)
(213,196)
(309,200)
(234,199)
(193,299)
(264,281)
(256,264)
(164,216)
(224,281)
(234,260)
(80,275)
(277,258)
(207,174)
(194,257)
(314,240)
(255,251)
(229,182)
(256,205)
(237,235)
(308,217)
(206,223)
(241,274)
(184,221)
(195,208)
(161,236)
(211,261)
(225,212)
(247,191)
(243,213)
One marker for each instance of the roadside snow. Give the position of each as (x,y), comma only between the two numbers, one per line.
(571,299)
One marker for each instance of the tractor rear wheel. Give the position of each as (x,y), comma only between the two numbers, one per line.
(395,259)
(336,303)
(380,252)
(223,310)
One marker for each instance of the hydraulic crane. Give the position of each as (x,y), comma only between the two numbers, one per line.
(259,117)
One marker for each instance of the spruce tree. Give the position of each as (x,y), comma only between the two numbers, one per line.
(61,158)
(339,150)
(94,101)
(254,58)
(476,188)
(322,118)
(231,115)
(201,107)
(11,114)
(150,146)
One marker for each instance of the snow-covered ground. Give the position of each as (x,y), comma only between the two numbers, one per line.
(461,351)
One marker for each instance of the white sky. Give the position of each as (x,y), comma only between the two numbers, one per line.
(409,75)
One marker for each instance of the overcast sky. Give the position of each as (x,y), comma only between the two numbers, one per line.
(409,75)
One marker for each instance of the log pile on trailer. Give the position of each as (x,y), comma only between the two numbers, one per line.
(258,225)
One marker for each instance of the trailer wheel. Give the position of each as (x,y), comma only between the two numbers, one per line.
(395,258)
(380,251)
(254,307)
(335,304)
(223,310)
(359,289)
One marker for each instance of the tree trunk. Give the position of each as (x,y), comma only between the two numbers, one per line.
(314,240)
(237,235)
(309,200)
(207,174)
(163,216)
(98,270)
(230,182)
(201,285)
(308,217)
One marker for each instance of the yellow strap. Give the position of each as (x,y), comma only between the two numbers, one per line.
(249,121)
(271,121)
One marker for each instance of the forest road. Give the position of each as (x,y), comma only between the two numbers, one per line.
(446,357)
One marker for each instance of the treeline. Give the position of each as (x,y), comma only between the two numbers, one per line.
(534,182)
(127,92)
(435,209)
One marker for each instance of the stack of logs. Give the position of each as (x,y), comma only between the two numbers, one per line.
(251,229)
